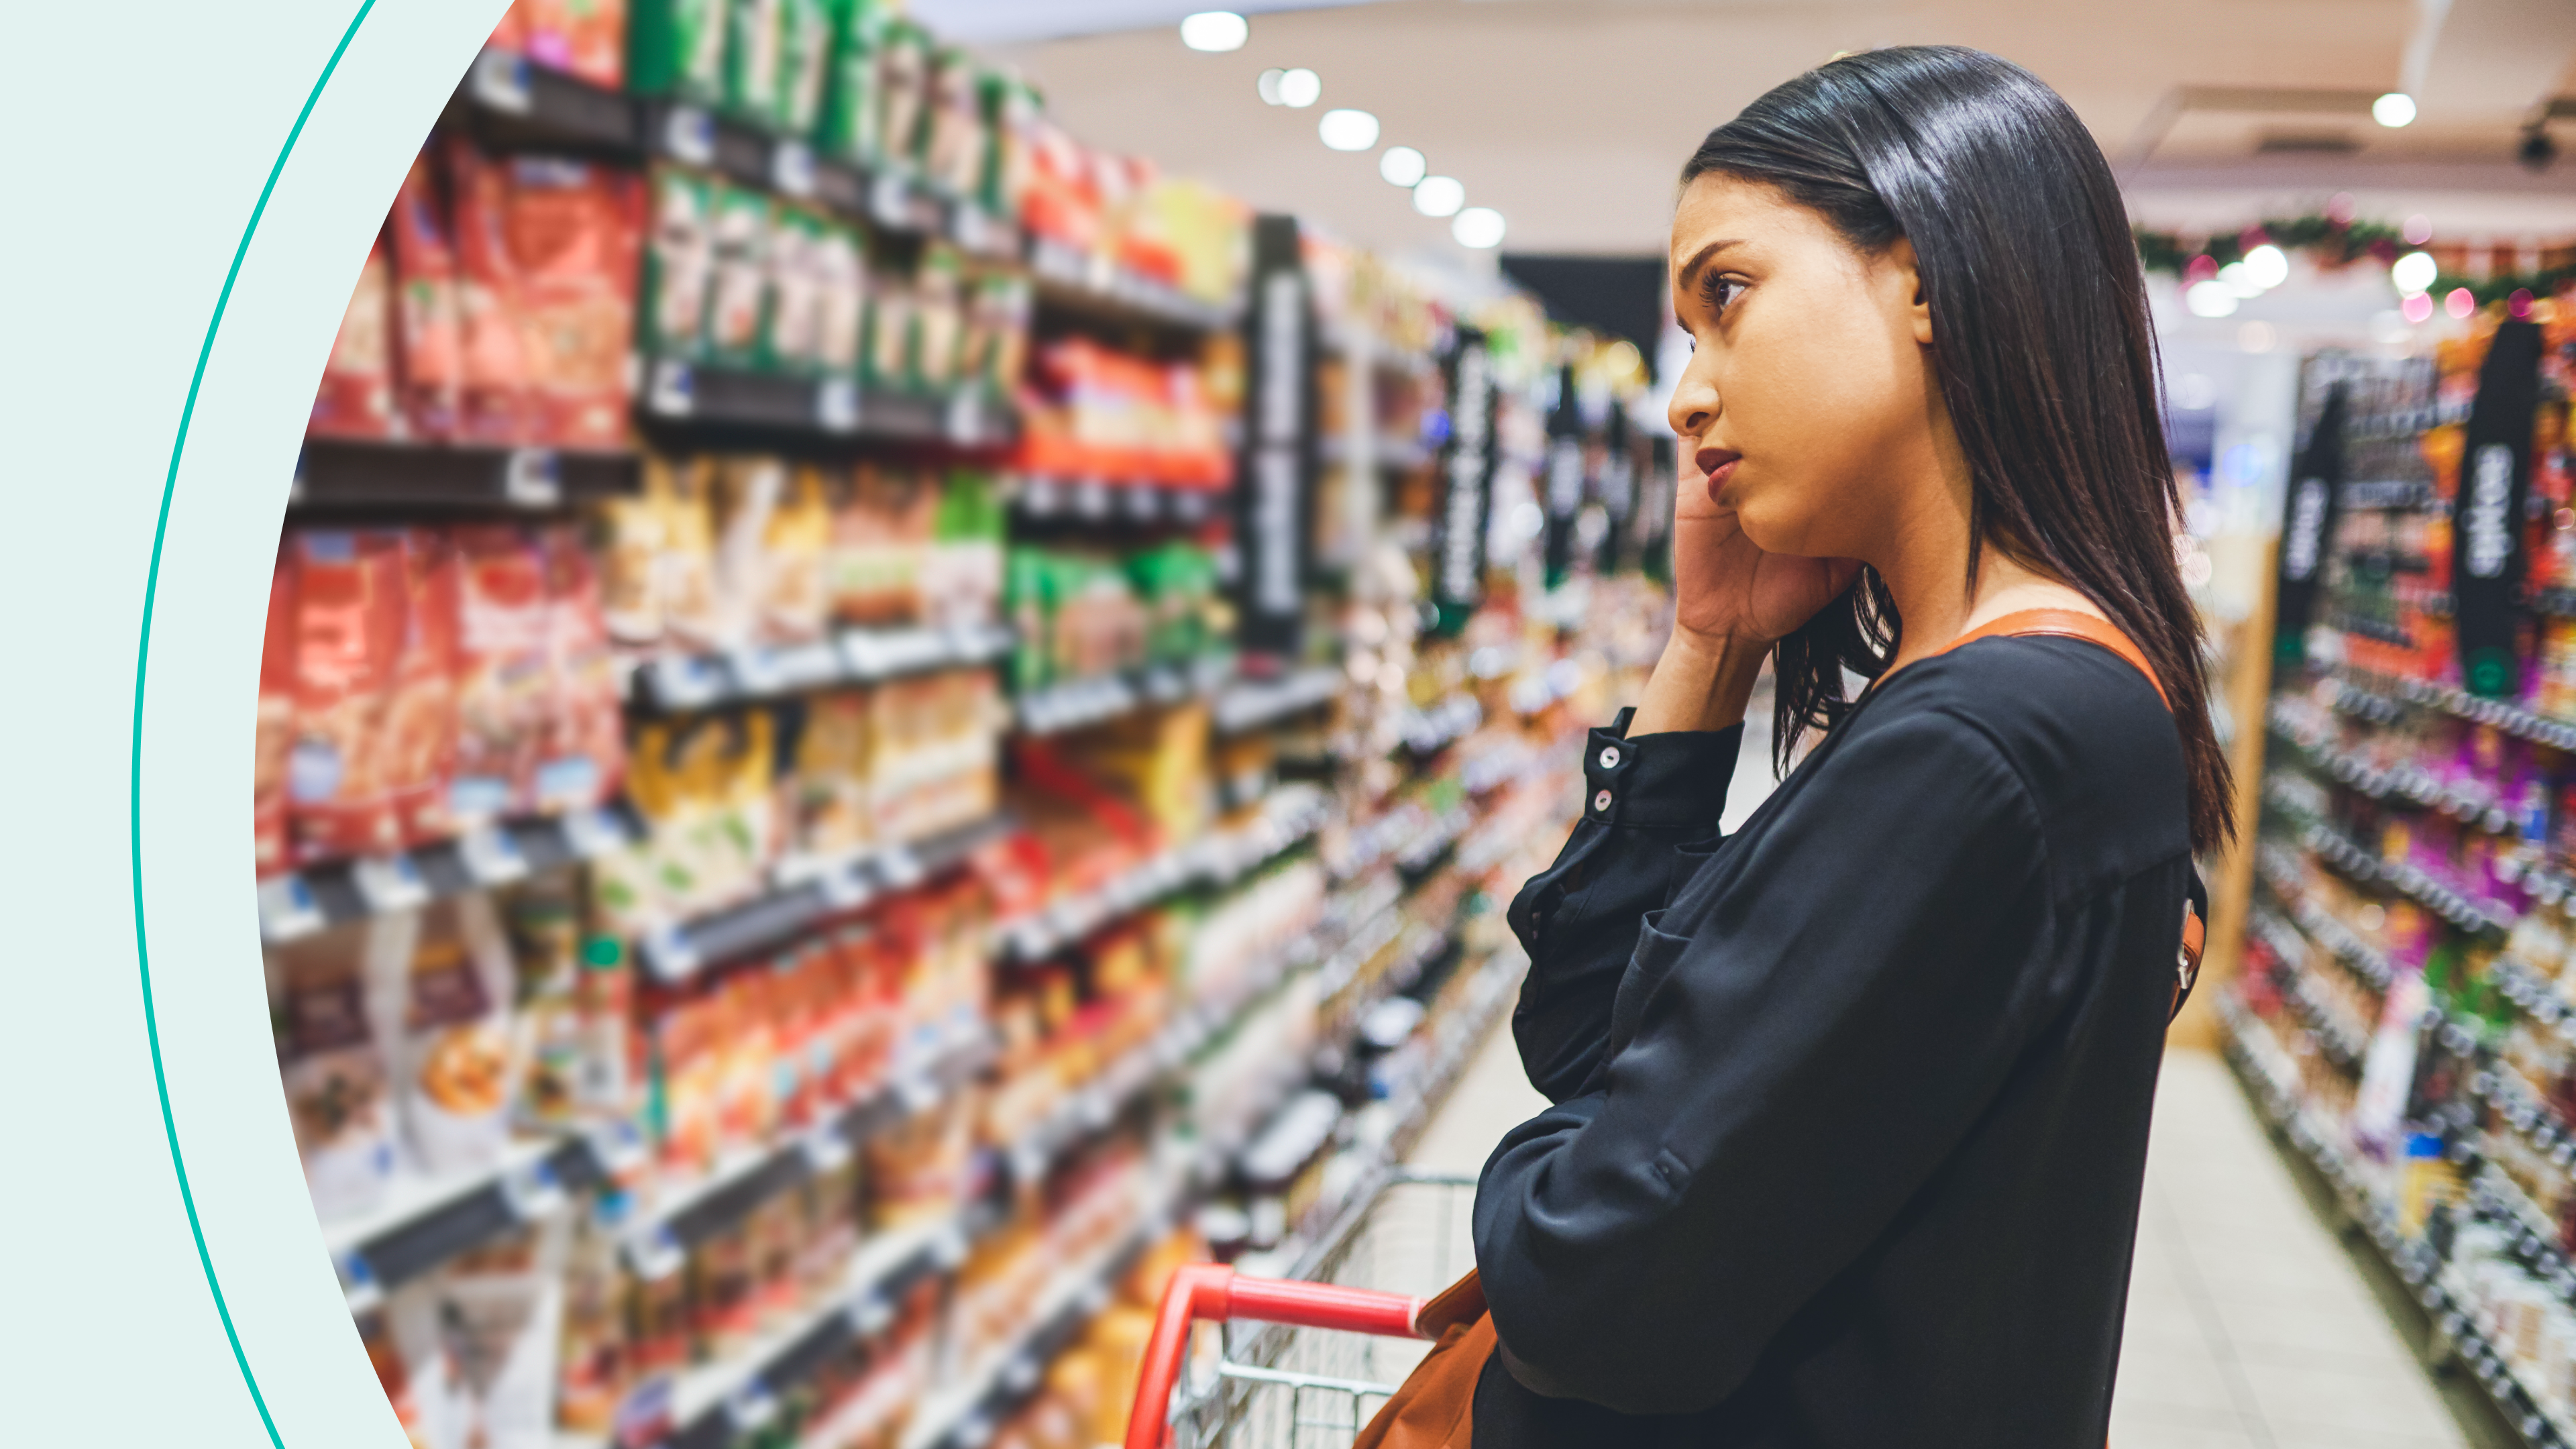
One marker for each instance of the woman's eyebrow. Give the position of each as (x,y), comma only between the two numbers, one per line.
(1701,258)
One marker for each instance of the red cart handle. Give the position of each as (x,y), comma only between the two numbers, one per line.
(1213,1291)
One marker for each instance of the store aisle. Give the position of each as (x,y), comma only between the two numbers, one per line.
(2248,1326)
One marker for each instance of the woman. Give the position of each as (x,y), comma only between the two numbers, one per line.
(1851,1106)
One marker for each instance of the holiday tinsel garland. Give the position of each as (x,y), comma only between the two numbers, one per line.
(2334,243)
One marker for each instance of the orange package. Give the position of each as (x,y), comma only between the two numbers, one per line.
(420,713)
(503,678)
(356,399)
(575,238)
(583,38)
(350,601)
(492,384)
(582,758)
(429,345)
(276,738)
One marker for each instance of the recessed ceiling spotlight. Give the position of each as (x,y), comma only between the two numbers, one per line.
(1481,227)
(1299,88)
(1215,30)
(1402,165)
(1347,130)
(1439,195)
(2393,110)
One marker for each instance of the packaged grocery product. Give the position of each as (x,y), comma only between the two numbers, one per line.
(903,82)
(939,310)
(745,498)
(888,358)
(581,756)
(839,260)
(595,1355)
(452,1058)
(504,674)
(692,615)
(356,399)
(737,302)
(676,48)
(853,102)
(392,1375)
(574,235)
(1011,113)
(794,604)
(755,45)
(274,743)
(481,1336)
(880,535)
(332,1064)
(917,1170)
(426,329)
(419,745)
(351,600)
(584,38)
(804,65)
(632,534)
(953,130)
(549,1039)
(794,333)
(679,262)
(961,574)
(493,378)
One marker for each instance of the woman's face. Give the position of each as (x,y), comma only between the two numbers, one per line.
(1809,405)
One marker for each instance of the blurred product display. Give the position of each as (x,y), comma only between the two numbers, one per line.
(807,859)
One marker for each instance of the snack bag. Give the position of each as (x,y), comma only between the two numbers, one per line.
(482,1335)
(873,570)
(679,263)
(584,38)
(804,65)
(755,49)
(828,793)
(574,234)
(940,313)
(839,261)
(887,359)
(492,389)
(745,496)
(420,716)
(452,1058)
(853,104)
(356,399)
(431,363)
(633,530)
(953,140)
(903,84)
(961,574)
(794,605)
(332,1066)
(351,597)
(582,755)
(676,48)
(793,336)
(547,1037)
(690,613)
(275,741)
(504,673)
(738,302)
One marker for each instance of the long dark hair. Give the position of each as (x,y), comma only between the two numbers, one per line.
(2039,335)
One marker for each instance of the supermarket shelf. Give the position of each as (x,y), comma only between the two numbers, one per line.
(1080,703)
(1288,816)
(2313,922)
(337,475)
(2405,496)
(2536,1246)
(1251,704)
(1429,731)
(680,682)
(2535,1121)
(2361,866)
(1387,450)
(804,893)
(423,1221)
(336,893)
(2535,994)
(1088,285)
(2412,1262)
(2381,696)
(1046,498)
(791,409)
(2404,782)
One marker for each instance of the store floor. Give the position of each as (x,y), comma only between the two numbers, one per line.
(2249,1326)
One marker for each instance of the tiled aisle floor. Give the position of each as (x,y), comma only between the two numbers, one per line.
(2249,1327)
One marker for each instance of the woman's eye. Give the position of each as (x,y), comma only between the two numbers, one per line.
(1720,291)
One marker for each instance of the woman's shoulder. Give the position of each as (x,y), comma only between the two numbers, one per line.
(2082,728)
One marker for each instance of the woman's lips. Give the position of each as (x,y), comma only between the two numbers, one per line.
(1720,467)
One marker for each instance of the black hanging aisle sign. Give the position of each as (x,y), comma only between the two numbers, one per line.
(2486,521)
(1563,489)
(2308,524)
(1466,482)
(1273,526)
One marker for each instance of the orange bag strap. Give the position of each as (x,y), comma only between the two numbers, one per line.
(2068,624)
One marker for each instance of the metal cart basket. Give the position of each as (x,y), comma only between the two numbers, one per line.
(1303,1362)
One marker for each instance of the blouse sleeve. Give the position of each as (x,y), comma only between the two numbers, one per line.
(1777,1085)
(1643,799)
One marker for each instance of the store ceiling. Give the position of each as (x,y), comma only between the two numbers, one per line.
(1572,116)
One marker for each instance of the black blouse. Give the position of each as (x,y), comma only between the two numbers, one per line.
(1850,1106)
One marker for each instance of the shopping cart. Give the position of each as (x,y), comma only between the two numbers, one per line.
(1275,1381)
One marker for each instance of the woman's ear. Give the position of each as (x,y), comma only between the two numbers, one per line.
(1900,255)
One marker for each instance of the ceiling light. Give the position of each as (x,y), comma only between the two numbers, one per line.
(1346,130)
(1481,227)
(2209,299)
(2393,110)
(1215,30)
(1402,165)
(2413,273)
(2267,266)
(1439,195)
(2235,278)
(1299,88)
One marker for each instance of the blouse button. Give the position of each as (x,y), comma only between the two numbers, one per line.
(1609,757)
(1601,800)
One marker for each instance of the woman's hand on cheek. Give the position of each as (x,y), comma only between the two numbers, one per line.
(1728,587)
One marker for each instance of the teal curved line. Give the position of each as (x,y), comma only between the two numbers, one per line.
(143,656)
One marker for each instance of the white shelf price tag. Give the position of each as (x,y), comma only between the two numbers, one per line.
(500,80)
(491,856)
(966,411)
(791,168)
(592,833)
(532,478)
(689,134)
(836,405)
(389,883)
(287,909)
(671,391)
(900,867)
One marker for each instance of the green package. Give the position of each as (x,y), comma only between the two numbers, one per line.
(676,48)
(852,100)
(970,509)
(791,336)
(903,85)
(839,257)
(1024,601)
(805,65)
(888,359)
(679,263)
(1010,112)
(754,49)
(738,299)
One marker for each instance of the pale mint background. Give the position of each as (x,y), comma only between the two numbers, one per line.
(140,135)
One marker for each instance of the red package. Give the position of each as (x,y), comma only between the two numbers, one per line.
(350,598)
(502,673)
(356,399)
(583,759)
(420,716)
(276,738)
(512,33)
(430,352)
(575,236)
(492,383)
(584,38)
